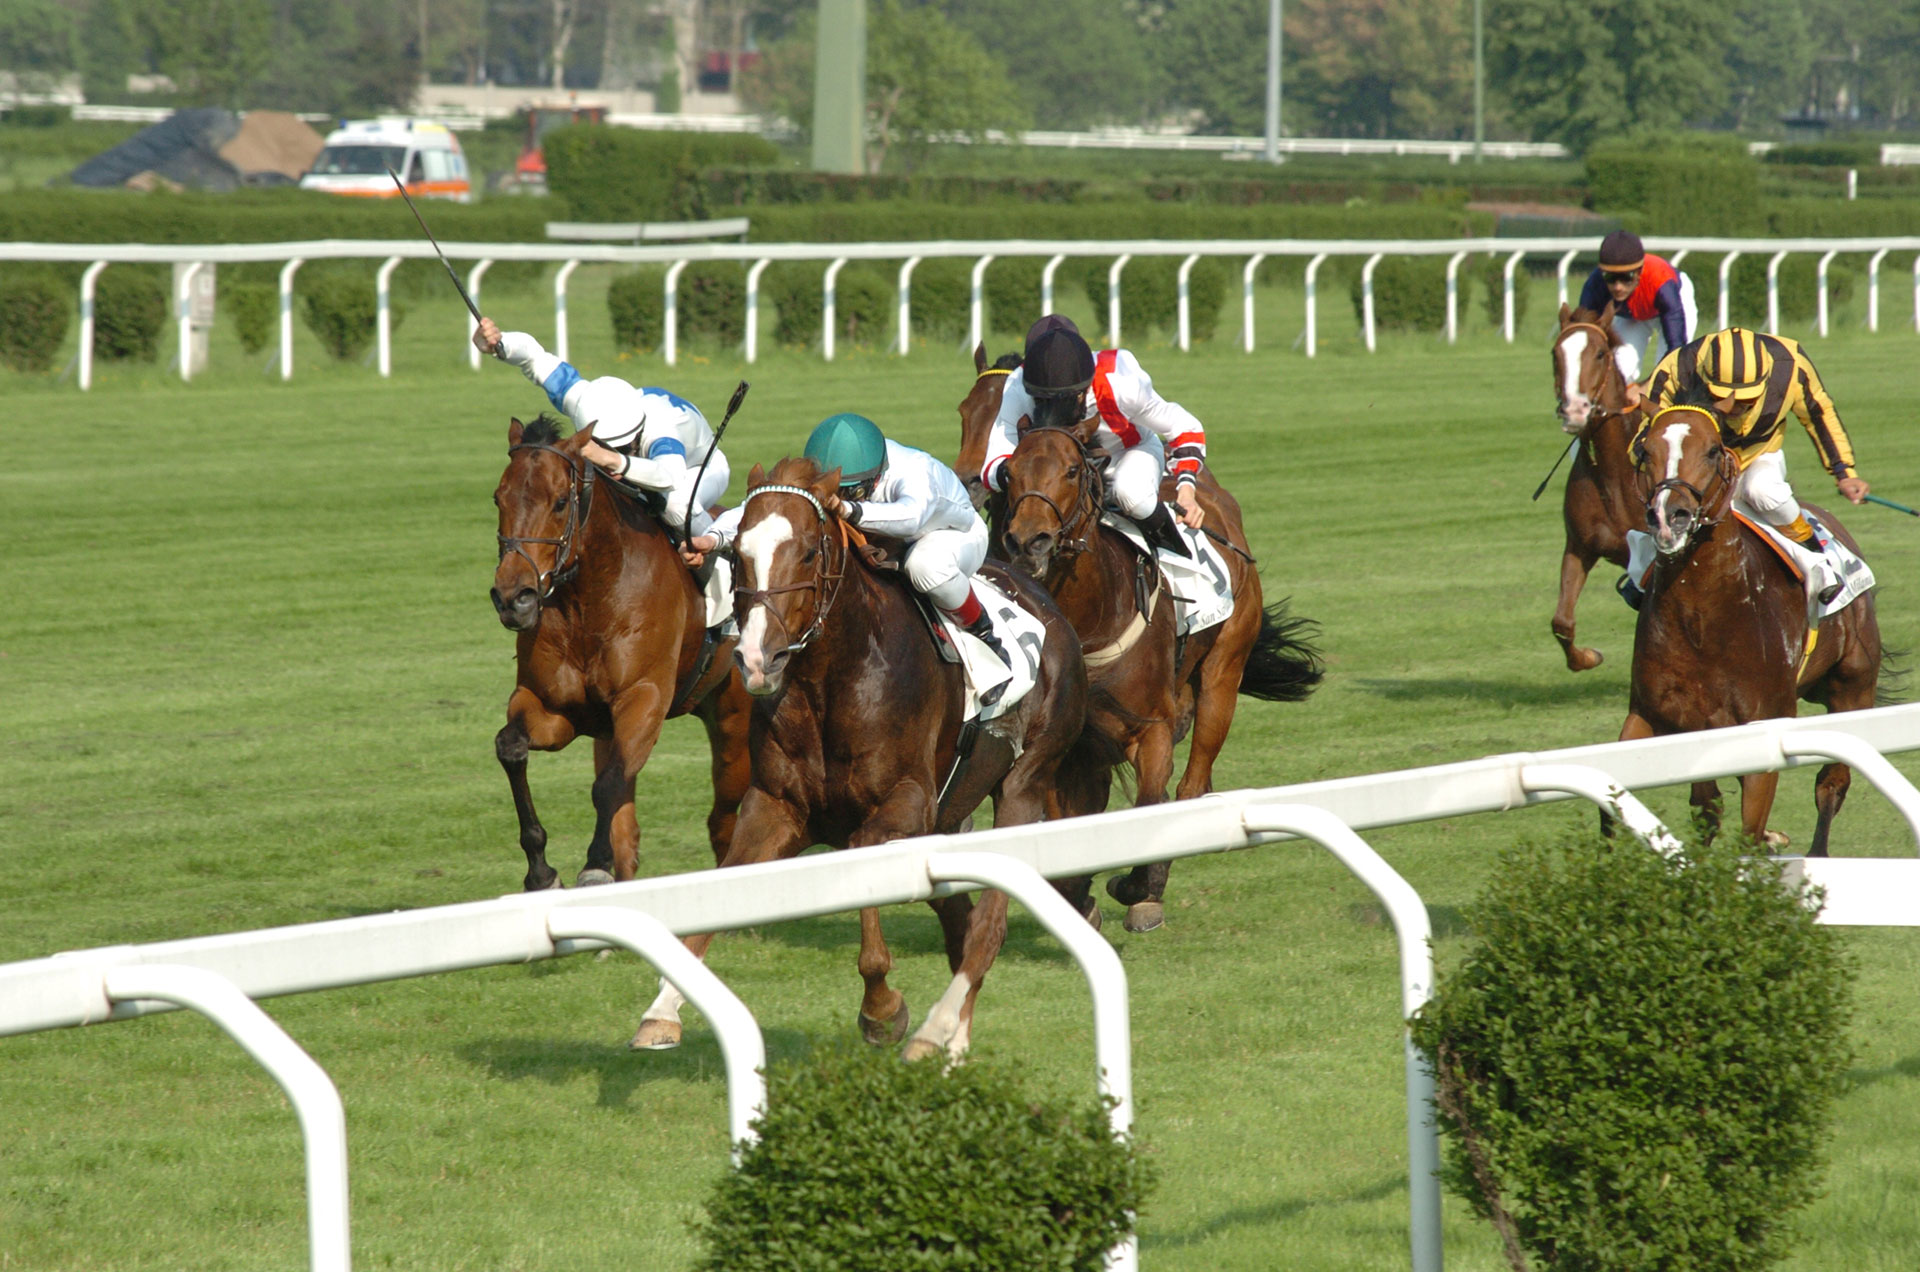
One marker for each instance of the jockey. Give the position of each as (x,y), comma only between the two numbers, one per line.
(1061,382)
(646,437)
(1751,381)
(896,492)
(1646,291)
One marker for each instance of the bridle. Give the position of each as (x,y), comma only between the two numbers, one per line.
(1606,347)
(826,581)
(566,557)
(1087,499)
(1725,469)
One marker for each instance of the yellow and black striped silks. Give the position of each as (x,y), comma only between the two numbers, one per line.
(1770,376)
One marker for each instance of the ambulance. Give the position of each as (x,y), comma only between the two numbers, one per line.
(358,154)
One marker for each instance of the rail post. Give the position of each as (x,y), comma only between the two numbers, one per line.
(1773,291)
(1873,288)
(474,275)
(1366,296)
(1453,295)
(183,316)
(1506,283)
(1825,261)
(976,303)
(1186,306)
(1246,299)
(1046,285)
(753,307)
(670,315)
(826,307)
(88,281)
(1113,297)
(1566,262)
(1313,268)
(906,306)
(1726,274)
(560,308)
(383,315)
(286,317)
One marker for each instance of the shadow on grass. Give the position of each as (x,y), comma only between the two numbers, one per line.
(618,1071)
(1571,690)
(1445,920)
(1857,1079)
(1270,1212)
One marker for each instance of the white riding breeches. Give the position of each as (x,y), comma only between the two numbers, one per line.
(1762,486)
(940,563)
(1134,478)
(713,484)
(1635,334)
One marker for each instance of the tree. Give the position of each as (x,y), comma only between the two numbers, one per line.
(1379,68)
(1074,63)
(212,50)
(37,38)
(1769,54)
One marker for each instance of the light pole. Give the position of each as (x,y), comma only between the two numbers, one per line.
(1273,81)
(1479,84)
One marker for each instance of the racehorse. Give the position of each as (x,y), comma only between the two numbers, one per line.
(1149,685)
(858,735)
(977,412)
(612,642)
(1723,636)
(1600,504)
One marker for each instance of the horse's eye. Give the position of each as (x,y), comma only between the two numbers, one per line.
(811,554)
(560,504)
(1073,474)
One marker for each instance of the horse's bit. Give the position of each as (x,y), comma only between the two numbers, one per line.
(566,560)
(824,582)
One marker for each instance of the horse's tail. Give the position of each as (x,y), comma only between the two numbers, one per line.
(1284,664)
(1890,686)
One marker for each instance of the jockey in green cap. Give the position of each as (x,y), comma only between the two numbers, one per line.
(896,492)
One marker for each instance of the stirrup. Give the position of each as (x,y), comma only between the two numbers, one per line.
(1160,532)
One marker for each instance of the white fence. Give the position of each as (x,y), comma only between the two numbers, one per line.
(757,256)
(221,976)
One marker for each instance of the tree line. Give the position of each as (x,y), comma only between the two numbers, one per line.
(1564,70)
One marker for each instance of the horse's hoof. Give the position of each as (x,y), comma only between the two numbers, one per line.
(1145,916)
(656,1035)
(884,1033)
(921,1049)
(1774,839)
(1581,658)
(1091,913)
(1123,889)
(591,877)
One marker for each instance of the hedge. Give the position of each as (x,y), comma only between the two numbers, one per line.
(129,309)
(865,1164)
(862,302)
(710,303)
(904,221)
(1799,287)
(633,174)
(340,307)
(254,308)
(1696,188)
(1409,293)
(35,308)
(1638,1057)
(1150,294)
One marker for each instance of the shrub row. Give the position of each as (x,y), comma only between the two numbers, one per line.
(905,221)
(1410,292)
(1696,189)
(35,308)
(1747,283)
(633,174)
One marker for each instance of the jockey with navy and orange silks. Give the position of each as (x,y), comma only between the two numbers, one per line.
(1061,382)
(1646,291)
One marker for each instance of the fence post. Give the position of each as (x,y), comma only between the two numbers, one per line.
(1506,282)
(383,306)
(670,314)
(1873,288)
(1186,306)
(826,307)
(1566,262)
(286,317)
(1773,291)
(906,307)
(1453,292)
(474,276)
(976,305)
(87,288)
(1916,292)
(1313,267)
(1366,296)
(1678,256)
(1726,273)
(1113,298)
(1822,271)
(183,316)
(753,307)
(1046,285)
(560,309)
(1246,299)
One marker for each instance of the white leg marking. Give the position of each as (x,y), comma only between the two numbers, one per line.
(942,1027)
(667,1005)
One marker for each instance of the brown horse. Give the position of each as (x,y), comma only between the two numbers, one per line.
(1722,637)
(1149,685)
(858,736)
(978,410)
(1600,504)
(612,642)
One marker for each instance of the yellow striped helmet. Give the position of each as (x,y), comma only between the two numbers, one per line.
(1734,363)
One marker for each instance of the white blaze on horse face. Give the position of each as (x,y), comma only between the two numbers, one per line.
(1575,405)
(757,548)
(1676,438)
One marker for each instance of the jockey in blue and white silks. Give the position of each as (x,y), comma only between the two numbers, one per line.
(649,438)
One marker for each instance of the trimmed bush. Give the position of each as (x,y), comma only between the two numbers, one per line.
(1493,289)
(1012,287)
(942,297)
(865,1164)
(254,307)
(1682,187)
(1799,288)
(634,174)
(341,308)
(862,301)
(1150,293)
(1637,1059)
(129,309)
(1409,293)
(34,311)
(635,305)
(711,302)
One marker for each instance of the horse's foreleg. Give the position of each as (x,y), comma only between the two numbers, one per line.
(623,831)
(637,718)
(982,930)
(1707,809)
(726,714)
(1574,568)
(1829,792)
(768,830)
(530,726)
(884,1015)
(1756,801)
(1636,726)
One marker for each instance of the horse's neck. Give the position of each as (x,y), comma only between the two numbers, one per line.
(1096,585)
(616,539)
(1725,569)
(867,623)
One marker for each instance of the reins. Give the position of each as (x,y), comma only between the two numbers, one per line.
(566,557)
(1087,499)
(826,581)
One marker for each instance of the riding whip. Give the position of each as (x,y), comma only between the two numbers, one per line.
(457,284)
(733,404)
(1571,447)
(1888,503)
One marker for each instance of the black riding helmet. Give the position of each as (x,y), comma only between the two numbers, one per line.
(1057,368)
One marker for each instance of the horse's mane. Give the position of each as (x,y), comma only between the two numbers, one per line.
(545,430)
(795,470)
(1006,362)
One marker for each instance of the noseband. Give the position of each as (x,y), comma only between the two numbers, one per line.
(566,557)
(1726,469)
(1086,500)
(826,582)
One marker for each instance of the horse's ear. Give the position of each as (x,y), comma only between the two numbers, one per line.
(1566,315)
(582,435)
(1086,429)
(758,476)
(980,358)
(1020,429)
(827,483)
(515,431)
(1606,317)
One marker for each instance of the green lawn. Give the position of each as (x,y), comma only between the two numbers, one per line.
(251,677)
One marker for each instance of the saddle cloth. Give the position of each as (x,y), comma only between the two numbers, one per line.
(1817,570)
(1021,634)
(1201,586)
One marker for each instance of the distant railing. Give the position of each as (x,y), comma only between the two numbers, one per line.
(757,256)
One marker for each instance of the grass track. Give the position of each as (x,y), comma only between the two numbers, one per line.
(251,678)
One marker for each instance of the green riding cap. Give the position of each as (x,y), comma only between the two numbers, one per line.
(852,443)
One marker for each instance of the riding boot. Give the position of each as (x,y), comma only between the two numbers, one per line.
(1803,536)
(1161,532)
(981,629)
(1629,591)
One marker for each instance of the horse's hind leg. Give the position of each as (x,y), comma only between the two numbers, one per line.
(529,726)
(975,933)
(1574,568)
(726,714)
(1756,801)
(1829,792)
(623,828)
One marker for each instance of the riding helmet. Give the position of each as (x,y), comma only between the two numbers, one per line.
(852,443)
(1621,253)
(1734,363)
(1058,362)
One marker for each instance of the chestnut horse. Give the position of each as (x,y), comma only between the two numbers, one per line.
(1601,504)
(858,737)
(1722,637)
(612,642)
(1149,686)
